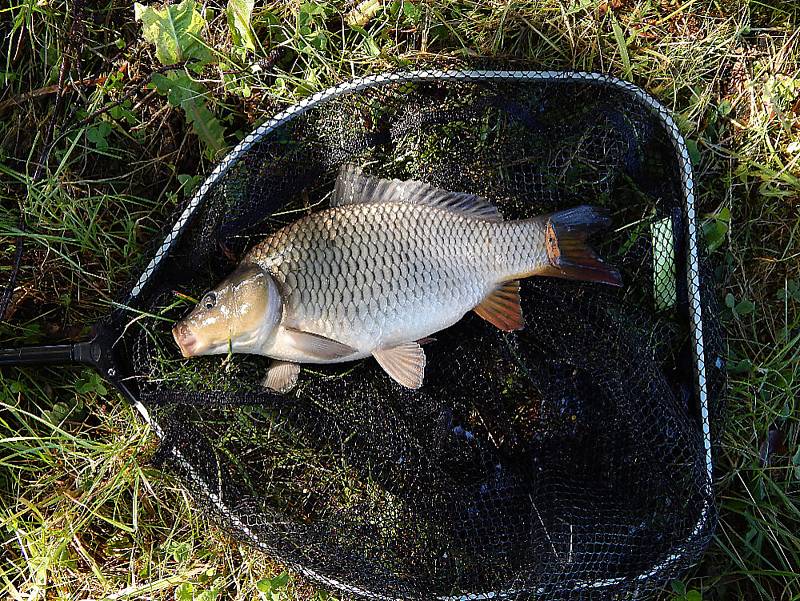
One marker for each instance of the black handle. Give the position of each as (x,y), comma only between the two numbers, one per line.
(82,352)
(95,352)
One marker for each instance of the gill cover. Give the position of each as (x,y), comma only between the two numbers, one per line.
(238,316)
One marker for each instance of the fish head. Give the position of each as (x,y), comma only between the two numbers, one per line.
(237,316)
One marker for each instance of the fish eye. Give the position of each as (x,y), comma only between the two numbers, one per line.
(209,300)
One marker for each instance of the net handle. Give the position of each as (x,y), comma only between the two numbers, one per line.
(96,353)
(86,353)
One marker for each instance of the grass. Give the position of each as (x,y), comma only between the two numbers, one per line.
(83,515)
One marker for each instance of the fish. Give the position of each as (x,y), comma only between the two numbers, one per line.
(386,266)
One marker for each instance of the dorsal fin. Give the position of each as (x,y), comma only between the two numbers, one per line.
(355,187)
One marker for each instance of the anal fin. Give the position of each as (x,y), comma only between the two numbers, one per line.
(404,362)
(281,376)
(502,307)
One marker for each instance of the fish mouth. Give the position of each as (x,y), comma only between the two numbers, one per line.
(185,339)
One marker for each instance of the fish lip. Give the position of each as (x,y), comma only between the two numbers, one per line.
(184,339)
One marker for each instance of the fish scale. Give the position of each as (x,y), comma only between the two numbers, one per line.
(371,270)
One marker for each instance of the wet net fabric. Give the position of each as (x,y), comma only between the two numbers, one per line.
(565,461)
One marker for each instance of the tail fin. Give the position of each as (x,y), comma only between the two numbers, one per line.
(570,255)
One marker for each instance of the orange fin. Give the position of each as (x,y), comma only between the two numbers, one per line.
(569,254)
(501,308)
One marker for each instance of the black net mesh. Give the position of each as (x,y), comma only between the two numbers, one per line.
(565,461)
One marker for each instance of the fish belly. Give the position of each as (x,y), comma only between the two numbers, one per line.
(376,275)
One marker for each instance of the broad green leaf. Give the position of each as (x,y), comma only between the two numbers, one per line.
(178,87)
(206,126)
(716,228)
(239,13)
(311,11)
(281,580)
(730,300)
(312,40)
(97,134)
(185,592)
(410,11)
(369,42)
(183,92)
(744,307)
(180,552)
(174,30)
(189,183)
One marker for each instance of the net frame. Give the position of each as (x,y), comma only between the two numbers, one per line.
(693,271)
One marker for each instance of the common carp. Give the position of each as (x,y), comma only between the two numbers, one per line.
(388,264)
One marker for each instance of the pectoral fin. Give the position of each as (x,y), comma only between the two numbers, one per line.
(281,376)
(317,346)
(501,307)
(405,363)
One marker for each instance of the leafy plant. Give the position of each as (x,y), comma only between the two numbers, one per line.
(91,383)
(274,589)
(682,594)
(694,152)
(239,13)
(97,134)
(790,291)
(191,592)
(716,227)
(174,30)
(180,551)
(312,35)
(410,11)
(183,92)
(62,410)
(185,592)
(189,183)
(740,308)
(664,287)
